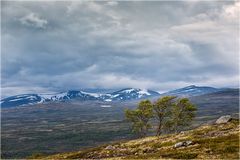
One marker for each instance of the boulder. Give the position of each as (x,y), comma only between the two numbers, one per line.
(183,144)
(223,119)
(110,147)
(179,144)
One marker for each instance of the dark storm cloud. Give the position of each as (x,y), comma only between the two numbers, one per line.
(52,46)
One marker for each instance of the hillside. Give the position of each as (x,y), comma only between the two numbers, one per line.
(71,126)
(215,141)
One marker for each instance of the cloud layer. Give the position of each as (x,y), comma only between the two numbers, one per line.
(54,46)
(32,20)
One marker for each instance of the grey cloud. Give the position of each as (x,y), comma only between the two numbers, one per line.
(33,20)
(112,3)
(127,44)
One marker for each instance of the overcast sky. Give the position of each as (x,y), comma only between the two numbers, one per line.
(57,46)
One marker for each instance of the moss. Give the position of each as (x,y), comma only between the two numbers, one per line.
(200,132)
(159,144)
(231,149)
(84,153)
(235,121)
(180,155)
(169,154)
(222,139)
(223,146)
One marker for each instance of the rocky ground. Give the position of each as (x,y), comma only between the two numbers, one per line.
(215,141)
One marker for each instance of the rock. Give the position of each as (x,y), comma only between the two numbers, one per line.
(187,143)
(223,119)
(179,144)
(183,144)
(110,147)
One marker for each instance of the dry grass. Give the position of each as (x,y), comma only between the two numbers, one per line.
(210,142)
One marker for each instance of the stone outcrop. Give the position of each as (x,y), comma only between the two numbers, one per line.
(223,119)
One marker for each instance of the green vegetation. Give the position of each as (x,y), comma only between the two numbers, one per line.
(162,108)
(140,117)
(171,114)
(182,114)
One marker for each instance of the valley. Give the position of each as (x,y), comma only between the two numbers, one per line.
(75,125)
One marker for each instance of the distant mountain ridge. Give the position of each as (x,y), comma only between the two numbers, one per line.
(192,90)
(126,94)
(121,95)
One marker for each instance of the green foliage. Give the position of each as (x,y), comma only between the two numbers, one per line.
(173,114)
(182,114)
(140,117)
(170,113)
(162,109)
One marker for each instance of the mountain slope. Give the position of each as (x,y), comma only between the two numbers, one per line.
(217,141)
(192,91)
(224,101)
(21,100)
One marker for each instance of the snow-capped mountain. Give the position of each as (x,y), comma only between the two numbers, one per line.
(130,94)
(69,95)
(20,100)
(121,95)
(192,91)
(126,94)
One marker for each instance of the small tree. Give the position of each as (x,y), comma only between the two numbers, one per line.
(162,110)
(140,117)
(182,114)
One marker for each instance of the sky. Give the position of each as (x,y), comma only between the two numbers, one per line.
(56,46)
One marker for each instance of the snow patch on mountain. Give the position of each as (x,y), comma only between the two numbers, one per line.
(96,95)
(127,90)
(144,92)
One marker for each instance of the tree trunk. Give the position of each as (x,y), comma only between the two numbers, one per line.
(159,128)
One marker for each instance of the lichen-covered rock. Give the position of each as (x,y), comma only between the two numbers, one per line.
(183,144)
(223,119)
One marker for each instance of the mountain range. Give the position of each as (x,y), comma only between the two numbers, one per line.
(192,90)
(126,94)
